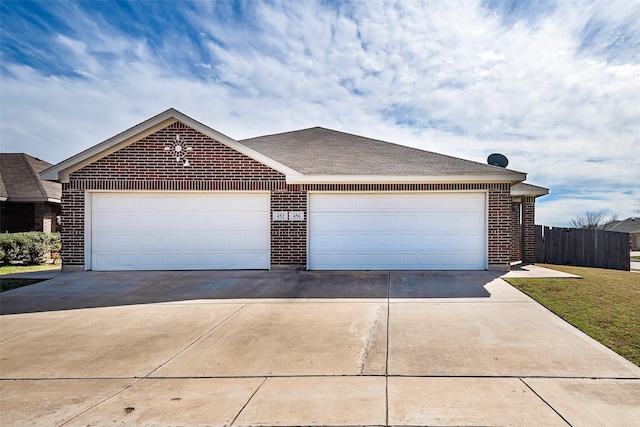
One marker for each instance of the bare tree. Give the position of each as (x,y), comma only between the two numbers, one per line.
(590,219)
(612,218)
(637,206)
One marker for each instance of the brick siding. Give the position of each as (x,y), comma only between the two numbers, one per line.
(289,238)
(72,234)
(500,226)
(516,209)
(146,166)
(528,229)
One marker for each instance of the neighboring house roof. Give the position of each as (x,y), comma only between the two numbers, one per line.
(20,180)
(313,155)
(523,189)
(629,225)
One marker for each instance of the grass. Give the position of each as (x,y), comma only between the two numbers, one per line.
(604,304)
(6,284)
(11,269)
(635,258)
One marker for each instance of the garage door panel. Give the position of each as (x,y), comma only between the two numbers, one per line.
(407,260)
(174,231)
(397,231)
(475,241)
(407,240)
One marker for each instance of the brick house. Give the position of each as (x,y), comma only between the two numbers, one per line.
(174,194)
(629,225)
(27,203)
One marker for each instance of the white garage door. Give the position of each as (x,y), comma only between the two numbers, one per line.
(179,231)
(397,231)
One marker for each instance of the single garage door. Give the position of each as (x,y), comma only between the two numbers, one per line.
(179,231)
(397,231)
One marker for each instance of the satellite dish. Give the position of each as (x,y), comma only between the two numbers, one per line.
(497,159)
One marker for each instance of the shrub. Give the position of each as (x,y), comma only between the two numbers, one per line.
(28,248)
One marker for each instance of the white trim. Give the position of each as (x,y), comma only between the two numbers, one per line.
(486,230)
(396,191)
(88,216)
(413,179)
(29,199)
(531,192)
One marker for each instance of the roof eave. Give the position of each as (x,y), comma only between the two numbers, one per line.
(30,200)
(400,179)
(530,193)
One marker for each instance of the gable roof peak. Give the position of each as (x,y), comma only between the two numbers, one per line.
(61,171)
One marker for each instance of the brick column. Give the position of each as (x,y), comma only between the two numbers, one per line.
(528,229)
(289,238)
(44,218)
(72,234)
(516,233)
(500,226)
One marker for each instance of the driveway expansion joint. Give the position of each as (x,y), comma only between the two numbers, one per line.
(247,402)
(545,402)
(196,340)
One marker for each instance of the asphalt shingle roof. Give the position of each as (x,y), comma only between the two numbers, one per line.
(320,151)
(20,179)
(629,225)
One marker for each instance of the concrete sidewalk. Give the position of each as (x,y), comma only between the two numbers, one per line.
(300,348)
(534,271)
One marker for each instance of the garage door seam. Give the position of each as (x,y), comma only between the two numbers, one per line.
(196,340)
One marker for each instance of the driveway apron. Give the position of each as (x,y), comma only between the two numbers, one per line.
(241,348)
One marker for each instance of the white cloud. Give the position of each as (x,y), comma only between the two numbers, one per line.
(451,77)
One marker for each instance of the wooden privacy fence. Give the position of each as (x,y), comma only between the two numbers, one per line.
(586,248)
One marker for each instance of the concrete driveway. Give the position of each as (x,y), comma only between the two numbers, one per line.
(300,348)
(635,265)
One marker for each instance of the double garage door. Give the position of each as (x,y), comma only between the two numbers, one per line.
(178,231)
(346,231)
(397,231)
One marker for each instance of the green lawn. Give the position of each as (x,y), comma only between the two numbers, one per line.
(11,269)
(6,284)
(605,304)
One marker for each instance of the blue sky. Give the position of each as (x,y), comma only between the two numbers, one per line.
(553,85)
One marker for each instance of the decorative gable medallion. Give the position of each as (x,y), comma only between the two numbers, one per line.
(179,149)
